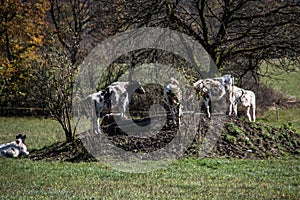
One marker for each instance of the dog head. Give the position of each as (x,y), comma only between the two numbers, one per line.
(21,137)
(21,147)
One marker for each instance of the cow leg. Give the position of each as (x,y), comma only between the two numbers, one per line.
(125,102)
(232,102)
(207,107)
(96,120)
(173,112)
(235,109)
(96,124)
(230,107)
(253,113)
(207,112)
(248,113)
(12,152)
(180,114)
(123,110)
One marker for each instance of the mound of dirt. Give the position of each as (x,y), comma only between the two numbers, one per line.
(238,139)
(63,151)
(243,139)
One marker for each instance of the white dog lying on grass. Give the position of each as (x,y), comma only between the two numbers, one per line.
(15,148)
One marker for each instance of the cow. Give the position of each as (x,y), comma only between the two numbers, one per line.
(247,99)
(173,98)
(213,89)
(101,101)
(205,94)
(219,86)
(115,97)
(15,148)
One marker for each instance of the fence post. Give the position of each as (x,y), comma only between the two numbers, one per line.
(276,108)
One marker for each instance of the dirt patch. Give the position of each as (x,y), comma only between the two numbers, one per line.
(63,151)
(243,139)
(240,139)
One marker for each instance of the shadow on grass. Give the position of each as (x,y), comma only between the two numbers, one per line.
(63,151)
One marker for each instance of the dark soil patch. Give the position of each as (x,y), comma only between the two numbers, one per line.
(240,139)
(63,151)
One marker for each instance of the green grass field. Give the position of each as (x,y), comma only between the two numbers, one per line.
(40,132)
(285,82)
(183,179)
(288,84)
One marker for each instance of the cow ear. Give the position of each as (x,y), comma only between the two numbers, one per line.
(24,136)
(108,90)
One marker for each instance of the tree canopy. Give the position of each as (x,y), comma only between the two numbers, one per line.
(239,35)
(22,25)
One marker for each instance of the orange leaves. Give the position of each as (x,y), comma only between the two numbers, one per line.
(23,24)
(23,27)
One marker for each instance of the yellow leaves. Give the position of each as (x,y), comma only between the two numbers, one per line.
(23,26)
(29,54)
(37,40)
(22,94)
(42,6)
(17,47)
(7,70)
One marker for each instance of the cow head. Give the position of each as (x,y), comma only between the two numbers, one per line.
(228,82)
(99,101)
(199,85)
(137,87)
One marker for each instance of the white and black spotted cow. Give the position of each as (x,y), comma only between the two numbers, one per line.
(115,97)
(173,98)
(245,98)
(205,94)
(213,89)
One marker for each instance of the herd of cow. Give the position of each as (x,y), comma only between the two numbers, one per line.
(206,88)
(234,95)
(116,96)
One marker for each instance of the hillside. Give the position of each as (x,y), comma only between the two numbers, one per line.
(244,139)
(238,139)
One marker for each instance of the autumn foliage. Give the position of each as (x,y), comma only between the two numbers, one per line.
(22,32)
